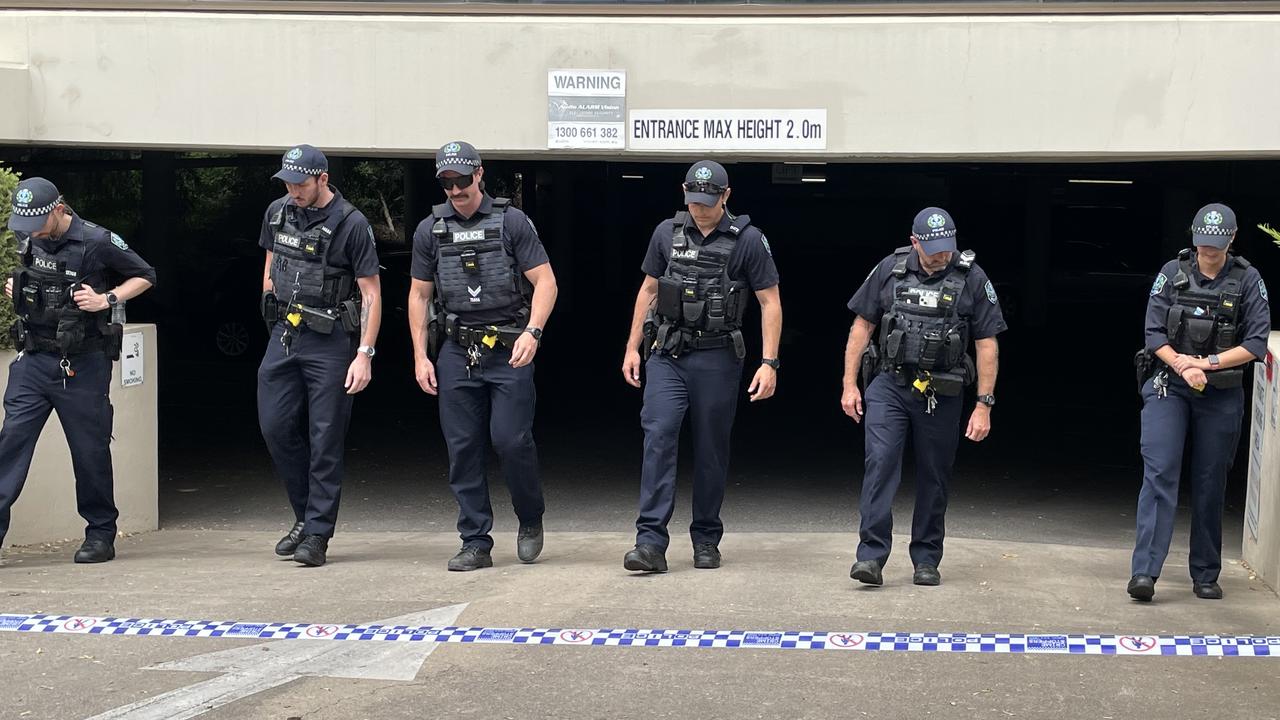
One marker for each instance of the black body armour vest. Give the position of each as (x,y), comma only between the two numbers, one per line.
(1206,322)
(43,284)
(300,271)
(922,329)
(474,270)
(696,297)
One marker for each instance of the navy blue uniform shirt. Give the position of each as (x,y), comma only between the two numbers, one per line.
(978,306)
(518,236)
(352,247)
(1254,319)
(750,261)
(106,257)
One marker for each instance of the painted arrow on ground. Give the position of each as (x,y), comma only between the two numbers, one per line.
(254,668)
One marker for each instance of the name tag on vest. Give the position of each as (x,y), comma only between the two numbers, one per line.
(925,298)
(468,235)
(686,254)
(288,240)
(44,264)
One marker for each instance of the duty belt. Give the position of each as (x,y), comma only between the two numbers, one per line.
(489,336)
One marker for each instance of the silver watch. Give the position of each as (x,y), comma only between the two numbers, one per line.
(367,350)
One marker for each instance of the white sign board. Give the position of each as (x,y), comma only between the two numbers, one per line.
(131,360)
(1251,498)
(586,109)
(727,130)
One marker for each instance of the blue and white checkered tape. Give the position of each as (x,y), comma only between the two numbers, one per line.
(1063,644)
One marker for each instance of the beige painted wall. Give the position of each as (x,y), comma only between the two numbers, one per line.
(905,87)
(1262,553)
(46,510)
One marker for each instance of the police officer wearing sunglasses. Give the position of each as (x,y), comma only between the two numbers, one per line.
(481,293)
(699,270)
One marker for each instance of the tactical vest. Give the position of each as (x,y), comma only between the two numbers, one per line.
(1203,321)
(300,271)
(43,284)
(922,329)
(475,272)
(695,294)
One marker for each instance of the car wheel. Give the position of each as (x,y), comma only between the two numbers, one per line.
(232,338)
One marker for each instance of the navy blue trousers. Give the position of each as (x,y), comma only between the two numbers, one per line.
(304,411)
(492,406)
(703,384)
(84,409)
(1213,419)
(895,413)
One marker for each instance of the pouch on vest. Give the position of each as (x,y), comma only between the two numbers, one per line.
(1199,331)
(870,364)
(947,384)
(669,303)
(269,307)
(18,335)
(70,334)
(1226,335)
(1143,365)
(649,334)
(349,314)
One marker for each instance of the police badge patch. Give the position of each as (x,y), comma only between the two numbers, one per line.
(1159,284)
(765,241)
(118,242)
(991,293)
(1262,290)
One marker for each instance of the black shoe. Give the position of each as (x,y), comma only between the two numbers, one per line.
(470,558)
(645,558)
(706,556)
(311,551)
(289,542)
(866,571)
(529,543)
(926,575)
(1207,591)
(1142,587)
(95,551)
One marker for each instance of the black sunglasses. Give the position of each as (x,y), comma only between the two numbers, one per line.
(701,186)
(462,182)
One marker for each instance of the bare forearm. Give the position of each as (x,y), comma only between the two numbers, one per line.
(544,299)
(418,324)
(370,317)
(133,287)
(859,336)
(770,329)
(988,365)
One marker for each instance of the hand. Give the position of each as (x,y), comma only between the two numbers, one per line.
(763,384)
(425,373)
(631,367)
(89,301)
(359,374)
(1195,378)
(8,288)
(525,348)
(979,423)
(1181,363)
(851,401)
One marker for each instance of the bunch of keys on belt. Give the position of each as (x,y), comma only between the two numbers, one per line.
(67,372)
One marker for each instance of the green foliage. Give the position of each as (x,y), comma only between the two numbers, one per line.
(1274,233)
(8,251)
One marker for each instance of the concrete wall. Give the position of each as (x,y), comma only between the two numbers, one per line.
(1097,87)
(1262,552)
(46,510)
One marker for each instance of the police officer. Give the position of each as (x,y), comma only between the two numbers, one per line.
(71,276)
(699,267)
(1207,317)
(929,302)
(483,282)
(322,300)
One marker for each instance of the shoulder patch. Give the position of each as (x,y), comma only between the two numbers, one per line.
(1158,285)
(1262,290)
(532,227)
(874,268)
(991,293)
(765,241)
(369,229)
(119,242)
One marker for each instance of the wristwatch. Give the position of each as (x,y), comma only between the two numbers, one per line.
(366,349)
(771,362)
(988,400)
(1214,362)
(536,332)
(112,300)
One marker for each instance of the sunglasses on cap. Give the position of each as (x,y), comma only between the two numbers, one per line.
(462,182)
(702,186)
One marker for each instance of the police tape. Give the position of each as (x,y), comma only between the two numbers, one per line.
(1056,644)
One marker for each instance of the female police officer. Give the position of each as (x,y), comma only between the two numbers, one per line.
(1207,317)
